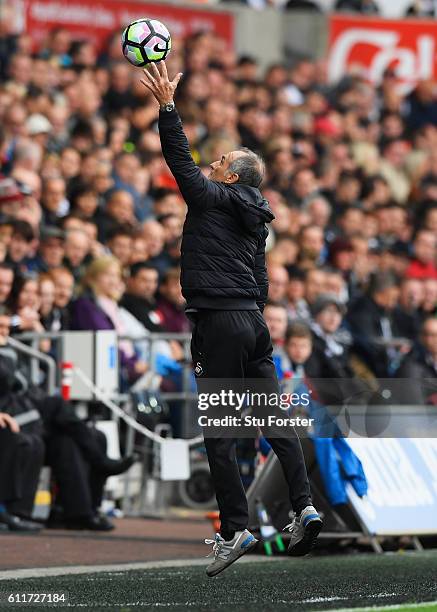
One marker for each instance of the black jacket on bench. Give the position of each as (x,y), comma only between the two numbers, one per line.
(223,244)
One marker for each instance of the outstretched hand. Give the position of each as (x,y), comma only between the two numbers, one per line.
(157,81)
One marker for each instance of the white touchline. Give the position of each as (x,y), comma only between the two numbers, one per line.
(43,572)
(388,607)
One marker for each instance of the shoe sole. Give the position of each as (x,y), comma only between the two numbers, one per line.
(306,544)
(252,545)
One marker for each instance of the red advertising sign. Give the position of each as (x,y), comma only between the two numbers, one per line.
(96,19)
(373,45)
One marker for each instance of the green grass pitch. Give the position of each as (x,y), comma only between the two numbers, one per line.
(396,581)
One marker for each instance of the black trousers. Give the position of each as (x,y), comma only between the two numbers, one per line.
(59,417)
(80,486)
(236,344)
(21,459)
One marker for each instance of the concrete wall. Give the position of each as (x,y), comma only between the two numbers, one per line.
(304,34)
(267,34)
(258,33)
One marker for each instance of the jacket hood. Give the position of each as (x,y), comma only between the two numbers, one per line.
(253,210)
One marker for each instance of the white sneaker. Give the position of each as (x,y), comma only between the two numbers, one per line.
(304,531)
(225,553)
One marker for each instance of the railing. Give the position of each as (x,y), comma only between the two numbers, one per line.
(33,340)
(133,503)
(35,357)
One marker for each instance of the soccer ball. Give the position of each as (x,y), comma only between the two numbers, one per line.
(145,41)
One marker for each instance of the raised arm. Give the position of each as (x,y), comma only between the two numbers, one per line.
(196,189)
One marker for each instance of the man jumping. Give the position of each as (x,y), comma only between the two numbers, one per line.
(224,282)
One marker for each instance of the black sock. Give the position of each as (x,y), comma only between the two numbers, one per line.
(227,535)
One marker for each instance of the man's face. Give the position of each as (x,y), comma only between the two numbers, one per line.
(412,293)
(278,283)
(76,247)
(172,291)
(6,280)
(298,349)
(295,290)
(334,283)
(5,323)
(304,183)
(425,247)
(54,193)
(19,248)
(121,207)
(220,168)
(144,284)
(127,167)
(429,337)
(387,298)
(276,320)
(52,251)
(314,285)
(121,247)
(153,233)
(329,319)
(64,285)
(312,240)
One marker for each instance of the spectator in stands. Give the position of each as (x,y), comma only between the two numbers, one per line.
(6,283)
(20,246)
(171,303)
(367,7)
(84,201)
(24,300)
(126,166)
(119,211)
(420,366)
(76,252)
(377,337)
(328,312)
(429,304)
(97,309)
(139,298)
(21,458)
(422,8)
(49,315)
(278,283)
(54,203)
(276,318)
(154,235)
(297,307)
(298,346)
(21,452)
(407,312)
(75,452)
(423,264)
(120,242)
(50,253)
(64,288)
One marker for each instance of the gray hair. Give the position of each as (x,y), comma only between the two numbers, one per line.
(249,167)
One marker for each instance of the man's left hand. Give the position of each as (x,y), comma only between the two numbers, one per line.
(159,84)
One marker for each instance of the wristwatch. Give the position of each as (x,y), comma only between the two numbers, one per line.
(167,108)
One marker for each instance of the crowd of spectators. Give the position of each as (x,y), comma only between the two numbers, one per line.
(416,8)
(91,219)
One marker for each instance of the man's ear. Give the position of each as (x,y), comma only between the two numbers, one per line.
(231,178)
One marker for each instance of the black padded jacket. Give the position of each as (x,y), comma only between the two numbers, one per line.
(223,243)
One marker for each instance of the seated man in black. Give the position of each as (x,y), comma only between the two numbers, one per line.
(75,452)
(21,459)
